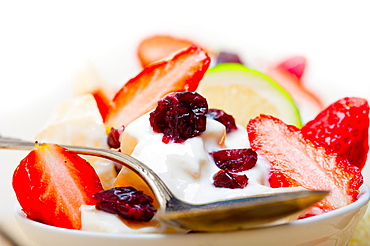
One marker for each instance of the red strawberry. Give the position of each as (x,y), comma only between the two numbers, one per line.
(141,94)
(288,74)
(301,163)
(51,184)
(278,179)
(102,101)
(294,65)
(159,47)
(343,128)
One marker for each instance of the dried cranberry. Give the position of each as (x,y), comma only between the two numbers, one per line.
(180,116)
(126,202)
(225,179)
(114,136)
(235,160)
(227,57)
(221,116)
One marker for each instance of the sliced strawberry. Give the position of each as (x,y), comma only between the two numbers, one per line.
(159,47)
(103,102)
(343,128)
(304,164)
(288,74)
(141,94)
(278,179)
(51,184)
(88,80)
(294,65)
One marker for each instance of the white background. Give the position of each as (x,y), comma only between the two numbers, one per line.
(43,43)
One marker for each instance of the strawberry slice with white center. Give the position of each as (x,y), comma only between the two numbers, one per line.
(304,164)
(159,47)
(141,94)
(52,183)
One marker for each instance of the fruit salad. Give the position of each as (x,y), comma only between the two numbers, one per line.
(208,125)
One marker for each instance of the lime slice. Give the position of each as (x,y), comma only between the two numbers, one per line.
(245,94)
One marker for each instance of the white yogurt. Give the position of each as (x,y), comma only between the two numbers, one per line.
(186,168)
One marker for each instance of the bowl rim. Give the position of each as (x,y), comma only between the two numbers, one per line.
(362,201)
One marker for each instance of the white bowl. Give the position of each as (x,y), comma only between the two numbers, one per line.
(333,228)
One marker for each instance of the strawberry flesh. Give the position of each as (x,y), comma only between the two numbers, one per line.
(158,47)
(141,94)
(102,102)
(288,74)
(52,183)
(278,180)
(299,163)
(294,65)
(342,128)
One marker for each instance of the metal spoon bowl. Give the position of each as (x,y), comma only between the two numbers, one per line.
(226,215)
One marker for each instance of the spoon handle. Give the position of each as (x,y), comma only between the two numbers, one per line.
(159,188)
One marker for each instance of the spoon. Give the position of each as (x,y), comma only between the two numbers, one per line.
(226,215)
